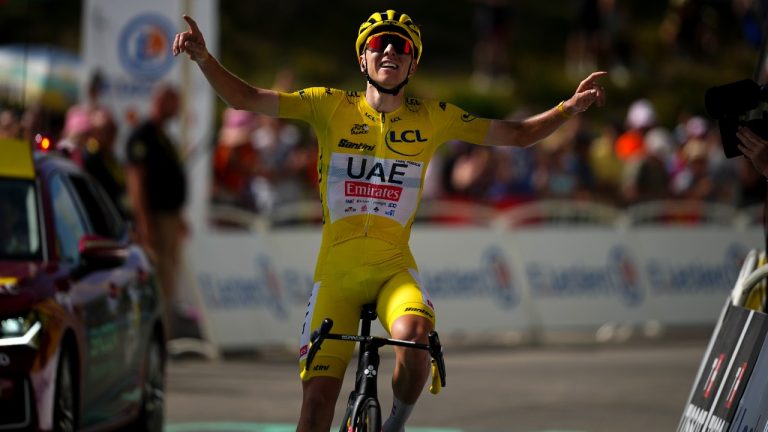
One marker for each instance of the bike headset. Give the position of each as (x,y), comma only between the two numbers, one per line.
(388,22)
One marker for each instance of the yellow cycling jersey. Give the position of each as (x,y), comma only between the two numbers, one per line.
(371,164)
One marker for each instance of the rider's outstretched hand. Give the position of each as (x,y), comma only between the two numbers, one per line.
(191,42)
(588,92)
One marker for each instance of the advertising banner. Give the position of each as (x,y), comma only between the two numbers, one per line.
(129,44)
(256,286)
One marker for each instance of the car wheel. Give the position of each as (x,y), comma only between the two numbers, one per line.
(65,402)
(152,411)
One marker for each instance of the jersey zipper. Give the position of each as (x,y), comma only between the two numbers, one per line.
(383,118)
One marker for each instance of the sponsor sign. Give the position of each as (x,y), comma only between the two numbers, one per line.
(256,287)
(725,370)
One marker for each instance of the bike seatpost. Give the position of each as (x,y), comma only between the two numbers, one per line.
(367,315)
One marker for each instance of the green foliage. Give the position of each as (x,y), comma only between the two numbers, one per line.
(315,40)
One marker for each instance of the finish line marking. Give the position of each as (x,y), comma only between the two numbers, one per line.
(281,427)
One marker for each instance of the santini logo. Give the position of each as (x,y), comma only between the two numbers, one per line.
(355,146)
(419,310)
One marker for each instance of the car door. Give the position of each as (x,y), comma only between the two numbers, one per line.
(96,293)
(121,303)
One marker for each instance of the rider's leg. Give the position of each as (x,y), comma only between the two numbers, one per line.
(318,402)
(411,369)
(411,365)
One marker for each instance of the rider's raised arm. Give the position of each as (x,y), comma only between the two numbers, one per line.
(522,133)
(234,91)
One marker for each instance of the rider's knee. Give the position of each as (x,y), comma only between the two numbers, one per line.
(411,328)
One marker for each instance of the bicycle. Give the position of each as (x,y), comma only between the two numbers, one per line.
(363,413)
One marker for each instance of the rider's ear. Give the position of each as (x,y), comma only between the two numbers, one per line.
(412,70)
(362,63)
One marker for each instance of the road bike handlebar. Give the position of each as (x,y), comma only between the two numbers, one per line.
(434,348)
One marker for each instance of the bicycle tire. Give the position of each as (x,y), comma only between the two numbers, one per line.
(367,418)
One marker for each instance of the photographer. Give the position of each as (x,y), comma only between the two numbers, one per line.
(754,148)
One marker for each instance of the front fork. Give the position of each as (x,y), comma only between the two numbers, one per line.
(365,387)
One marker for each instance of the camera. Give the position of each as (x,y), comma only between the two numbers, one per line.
(738,104)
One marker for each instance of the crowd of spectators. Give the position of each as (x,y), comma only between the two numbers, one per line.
(261,163)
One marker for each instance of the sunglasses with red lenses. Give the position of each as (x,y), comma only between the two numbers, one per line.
(380,42)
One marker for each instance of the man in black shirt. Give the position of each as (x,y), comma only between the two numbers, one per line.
(157,191)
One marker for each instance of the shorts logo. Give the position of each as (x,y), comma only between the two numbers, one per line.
(321,368)
(419,310)
(359,129)
(144,46)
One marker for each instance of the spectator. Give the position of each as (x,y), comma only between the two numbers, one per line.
(694,182)
(101,161)
(77,130)
(641,117)
(236,160)
(9,125)
(648,178)
(157,191)
(606,166)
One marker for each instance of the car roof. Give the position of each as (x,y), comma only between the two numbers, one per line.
(17,161)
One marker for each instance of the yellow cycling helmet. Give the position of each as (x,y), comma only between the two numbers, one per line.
(389,22)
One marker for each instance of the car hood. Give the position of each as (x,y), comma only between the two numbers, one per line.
(12,271)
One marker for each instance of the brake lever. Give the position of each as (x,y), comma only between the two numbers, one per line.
(316,339)
(436,351)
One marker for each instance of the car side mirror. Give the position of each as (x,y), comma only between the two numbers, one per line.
(97,252)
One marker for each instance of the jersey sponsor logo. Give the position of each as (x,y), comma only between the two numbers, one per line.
(361,184)
(377,171)
(370,116)
(328,91)
(355,146)
(359,129)
(352,97)
(395,119)
(376,191)
(467,117)
(412,104)
(407,136)
(443,105)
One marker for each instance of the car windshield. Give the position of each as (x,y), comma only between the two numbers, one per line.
(19,227)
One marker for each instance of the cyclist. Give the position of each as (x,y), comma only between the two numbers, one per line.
(374,148)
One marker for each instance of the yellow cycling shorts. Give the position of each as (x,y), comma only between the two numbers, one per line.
(352,274)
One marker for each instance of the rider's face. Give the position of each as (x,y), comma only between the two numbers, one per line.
(387,66)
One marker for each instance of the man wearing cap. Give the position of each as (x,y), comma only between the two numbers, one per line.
(374,147)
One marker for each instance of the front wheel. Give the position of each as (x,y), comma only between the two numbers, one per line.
(367,418)
(65,400)
(151,414)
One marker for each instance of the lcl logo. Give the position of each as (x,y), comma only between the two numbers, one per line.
(5,360)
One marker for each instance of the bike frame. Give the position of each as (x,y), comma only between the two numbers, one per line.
(366,391)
